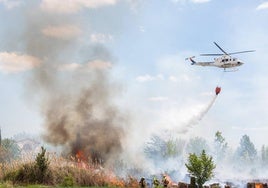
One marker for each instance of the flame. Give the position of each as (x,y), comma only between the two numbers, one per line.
(114,181)
(81,159)
(171,182)
(80,156)
(258,185)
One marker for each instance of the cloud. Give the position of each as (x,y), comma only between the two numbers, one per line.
(142,29)
(192,1)
(13,62)
(69,6)
(147,77)
(200,1)
(180,78)
(262,6)
(100,38)
(62,32)
(95,64)
(158,99)
(9,4)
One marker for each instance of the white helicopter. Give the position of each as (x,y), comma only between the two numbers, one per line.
(225,61)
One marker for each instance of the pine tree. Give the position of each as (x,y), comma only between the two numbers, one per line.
(41,164)
(246,152)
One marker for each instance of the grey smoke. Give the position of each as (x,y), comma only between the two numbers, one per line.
(77,106)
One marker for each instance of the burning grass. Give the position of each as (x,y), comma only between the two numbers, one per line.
(62,172)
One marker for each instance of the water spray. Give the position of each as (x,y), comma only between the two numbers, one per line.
(195,119)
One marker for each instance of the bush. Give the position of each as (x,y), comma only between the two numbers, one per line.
(61,172)
(68,181)
(26,174)
(201,167)
(41,166)
(37,172)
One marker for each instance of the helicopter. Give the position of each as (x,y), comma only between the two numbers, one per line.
(225,60)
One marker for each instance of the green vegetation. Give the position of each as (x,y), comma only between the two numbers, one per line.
(246,153)
(201,167)
(52,171)
(42,166)
(197,145)
(32,172)
(9,150)
(160,149)
(220,146)
(48,170)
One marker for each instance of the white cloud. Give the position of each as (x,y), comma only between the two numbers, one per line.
(71,6)
(9,4)
(173,78)
(101,38)
(142,29)
(192,1)
(180,78)
(13,62)
(62,31)
(95,64)
(158,99)
(200,1)
(262,6)
(147,77)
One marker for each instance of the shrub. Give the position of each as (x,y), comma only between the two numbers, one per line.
(201,167)
(41,166)
(32,172)
(68,181)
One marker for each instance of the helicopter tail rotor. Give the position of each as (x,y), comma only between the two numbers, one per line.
(191,59)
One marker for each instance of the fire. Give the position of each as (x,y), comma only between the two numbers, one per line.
(258,185)
(80,156)
(114,181)
(171,183)
(81,159)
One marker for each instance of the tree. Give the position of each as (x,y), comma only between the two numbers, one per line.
(9,150)
(246,152)
(201,167)
(197,145)
(220,146)
(42,165)
(264,154)
(159,148)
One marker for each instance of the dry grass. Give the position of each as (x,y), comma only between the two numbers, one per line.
(66,172)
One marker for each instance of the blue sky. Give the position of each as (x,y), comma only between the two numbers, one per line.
(143,44)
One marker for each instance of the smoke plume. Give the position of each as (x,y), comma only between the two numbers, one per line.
(72,85)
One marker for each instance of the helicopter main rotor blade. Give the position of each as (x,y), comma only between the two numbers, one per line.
(241,52)
(220,48)
(211,54)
